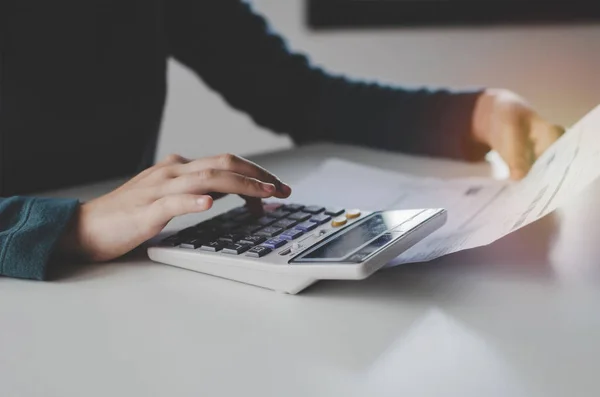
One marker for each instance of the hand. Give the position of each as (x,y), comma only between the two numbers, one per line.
(506,123)
(116,223)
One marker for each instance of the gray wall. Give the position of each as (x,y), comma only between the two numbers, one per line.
(556,68)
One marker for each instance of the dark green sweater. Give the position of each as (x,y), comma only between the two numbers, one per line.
(82,88)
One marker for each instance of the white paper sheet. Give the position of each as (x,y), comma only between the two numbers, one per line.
(480,211)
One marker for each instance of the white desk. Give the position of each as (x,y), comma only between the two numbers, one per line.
(518,318)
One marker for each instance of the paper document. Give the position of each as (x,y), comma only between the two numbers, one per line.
(480,210)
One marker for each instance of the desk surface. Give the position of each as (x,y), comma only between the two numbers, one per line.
(518,318)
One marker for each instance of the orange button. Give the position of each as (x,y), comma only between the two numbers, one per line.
(339,221)
(351,214)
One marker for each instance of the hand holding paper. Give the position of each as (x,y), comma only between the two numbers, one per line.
(480,211)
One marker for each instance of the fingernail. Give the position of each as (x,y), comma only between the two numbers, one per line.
(286,188)
(268,187)
(202,201)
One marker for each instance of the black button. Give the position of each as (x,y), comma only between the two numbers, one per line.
(292,207)
(245,218)
(258,251)
(213,246)
(334,211)
(320,219)
(299,216)
(269,231)
(278,214)
(249,229)
(253,240)
(285,223)
(266,220)
(234,213)
(191,243)
(314,209)
(236,248)
(231,237)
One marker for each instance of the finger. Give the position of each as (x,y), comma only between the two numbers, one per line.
(233,163)
(544,135)
(161,211)
(517,151)
(217,181)
(254,205)
(170,160)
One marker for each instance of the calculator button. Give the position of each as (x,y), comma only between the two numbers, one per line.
(314,209)
(250,229)
(243,218)
(351,214)
(296,247)
(299,216)
(278,214)
(233,213)
(231,237)
(172,241)
(236,248)
(274,243)
(339,221)
(292,207)
(213,246)
(334,211)
(258,251)
(306,226)
(253,240)
(291,234)
(320,219)
(269,231)
(285,223)
(266,220)
(192,243)
(286,252)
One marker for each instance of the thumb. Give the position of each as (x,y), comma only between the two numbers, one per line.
(519,167)
(519,153)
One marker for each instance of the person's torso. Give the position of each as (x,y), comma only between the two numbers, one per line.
(82,86)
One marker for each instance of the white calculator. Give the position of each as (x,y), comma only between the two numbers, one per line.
(288,247)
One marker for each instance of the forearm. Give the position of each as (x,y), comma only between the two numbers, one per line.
(418,121)
(255,72)
(29,231)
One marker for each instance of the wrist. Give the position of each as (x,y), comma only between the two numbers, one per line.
(70,244)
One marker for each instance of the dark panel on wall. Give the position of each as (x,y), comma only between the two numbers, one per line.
(328,14)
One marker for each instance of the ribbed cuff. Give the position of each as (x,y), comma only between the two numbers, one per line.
(26,247)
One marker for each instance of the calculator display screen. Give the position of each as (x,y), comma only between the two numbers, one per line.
(363,234)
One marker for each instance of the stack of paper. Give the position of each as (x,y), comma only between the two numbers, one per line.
(480,211)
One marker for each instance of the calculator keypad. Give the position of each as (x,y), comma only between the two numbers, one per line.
(239,231)
(213,246)
(258,251)
(236,249)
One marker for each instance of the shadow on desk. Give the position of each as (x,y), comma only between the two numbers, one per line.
(75,271)
(335,316)
(522,255)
